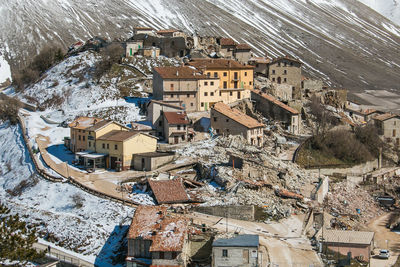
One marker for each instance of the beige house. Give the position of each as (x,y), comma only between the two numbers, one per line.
(288,71)
(208,93)
(177,84)
(171,33)
(143,30)
(228,121)
(243,53)
(176,126)
(79,132)
(388,127)
(155,111)
(150,51)
(133,47)
(118,147)
(101,128)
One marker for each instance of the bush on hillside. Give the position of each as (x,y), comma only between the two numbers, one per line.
(9,110)
(109,56)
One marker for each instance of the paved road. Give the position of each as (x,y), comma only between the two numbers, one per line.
(63,255)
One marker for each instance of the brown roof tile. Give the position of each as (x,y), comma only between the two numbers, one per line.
(171,236)
(227,41)
(146,220)
(205,63)
(237,116)
(84,122)
(385,116)
(348,237)
(243,47)
(143,28)
(118,136)
(167,31)
(169,191)
(177,73)
(176,117)
(275,101)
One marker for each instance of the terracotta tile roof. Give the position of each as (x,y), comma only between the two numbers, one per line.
(164,103)
(167,31)
(104,123)
(385,116)
(237,116)
(169,191)
(120,136)
(176,117)
(348,237)
(171,236)
(84,122)
(227,41)
(243,47)
(285,57)
(143,28)
(275,101)
(146,220)
(177,73)
(220,64)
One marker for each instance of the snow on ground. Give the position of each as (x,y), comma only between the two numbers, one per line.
(5,71)
(51,206)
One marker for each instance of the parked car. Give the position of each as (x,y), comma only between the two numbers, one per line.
(384,254)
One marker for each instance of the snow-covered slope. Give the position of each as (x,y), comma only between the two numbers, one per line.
(388,8)
(342,41)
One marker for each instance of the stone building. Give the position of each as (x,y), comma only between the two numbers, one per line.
(143,30)
(276,110)
(228,121)
(286,70)
(155,110)
(176,127)
(169,46)
(243,53)
(227,48)
(239,251)
(177,84)
(157,239)
(133,47)
(359,244)
(388,127)
(260,65)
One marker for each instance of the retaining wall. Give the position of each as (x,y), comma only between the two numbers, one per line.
(246,213)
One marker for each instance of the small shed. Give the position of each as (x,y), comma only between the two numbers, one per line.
(151,160)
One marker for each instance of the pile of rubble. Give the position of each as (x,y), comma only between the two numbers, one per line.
(240,174)
(353,207)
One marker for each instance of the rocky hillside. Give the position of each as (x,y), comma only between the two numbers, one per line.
(342,41)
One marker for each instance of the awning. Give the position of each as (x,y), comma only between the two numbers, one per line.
(81,153)
(95,155)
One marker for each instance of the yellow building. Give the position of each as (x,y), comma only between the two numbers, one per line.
(235,79)
(208,93)
(79,133)
(101,128)
(118,147)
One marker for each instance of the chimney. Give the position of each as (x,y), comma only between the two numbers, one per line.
(177,73)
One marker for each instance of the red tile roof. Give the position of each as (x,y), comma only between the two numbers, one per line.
(169,191)
(146,220)
(84,122)
(177,73)
(220,64)
(143,28)
(227,41)
(176,117)
(167,31)
(237,116)
(385,116)
(171,236)
(275,101)
(243,47)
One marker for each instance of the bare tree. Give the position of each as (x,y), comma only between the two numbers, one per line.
(323,118)
(110,55)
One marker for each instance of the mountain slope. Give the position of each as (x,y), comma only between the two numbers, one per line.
(341,41)
(388,8)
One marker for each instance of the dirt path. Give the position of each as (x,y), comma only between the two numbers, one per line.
(283,241)
(384,238)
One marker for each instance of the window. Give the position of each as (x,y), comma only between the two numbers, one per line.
(227,120)
(208,74)
(279,64)
(215,74)
(212,94)
(191,104)
(284,80)
(225,74)
(225,253)
(285,64)
(220,93)
(90,144)
(174,254)
(162,255)
(108,146)
(79,130)
(116,147)
(211,83)
(394,122)
(215,118)
(183,138)
(83,137)
(217,130)
(291,63)
(179,127)
(205,83)
(273,71)
(245,73)
(83,131)
(285,72)
(225,85)
(273,79)
(103,146)
(79,137)
(172,96)
(202,104)
(250,83)
(188,95)
(184,127)
(231,93)
(394,133)
(172,86)
(160,123)
(205,94)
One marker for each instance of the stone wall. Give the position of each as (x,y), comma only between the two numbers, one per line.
(234,212)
